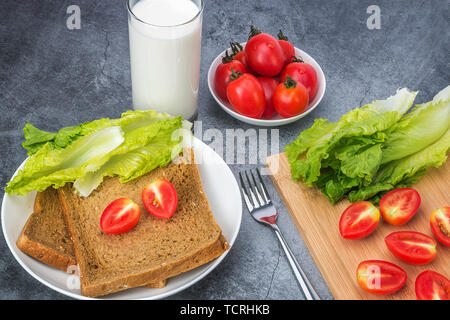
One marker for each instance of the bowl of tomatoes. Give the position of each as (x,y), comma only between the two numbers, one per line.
(266,81)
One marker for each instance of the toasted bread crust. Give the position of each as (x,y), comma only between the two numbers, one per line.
(38,250)
(44,253)
(94,285)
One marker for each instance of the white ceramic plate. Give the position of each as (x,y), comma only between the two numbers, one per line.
(275,120)
(216,177)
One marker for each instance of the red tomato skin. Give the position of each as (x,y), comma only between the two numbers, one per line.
(222,76)
(289,102)
(264,55)
(403,200)
(438,220)
(269,85)
(288,51)
(242,58)
(247,96)
(428,282)
(305,74)
(163,193)
(110,223)
(351,213)
(398,275)
(397,243)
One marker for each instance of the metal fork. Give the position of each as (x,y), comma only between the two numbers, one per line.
(262,210)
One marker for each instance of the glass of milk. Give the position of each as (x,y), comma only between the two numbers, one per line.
(165,39)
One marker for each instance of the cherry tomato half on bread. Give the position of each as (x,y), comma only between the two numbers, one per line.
(440,225)
(359,220)
(412,247)
(287,47)
(399,206)
(380,277)
(120,216)
(269,85)
(223,74)
(303,73)
(290,98)
(431,285)
(246,95)
(264,53)
(160,198)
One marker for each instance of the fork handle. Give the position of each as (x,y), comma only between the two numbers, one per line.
(305,285)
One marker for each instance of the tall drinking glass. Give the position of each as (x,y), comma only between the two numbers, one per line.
(165,40)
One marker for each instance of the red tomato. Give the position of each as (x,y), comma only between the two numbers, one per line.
(269,85)
(399,206)
(411,247)
(431,285)
(246,95)
(160,198)
(264,54)
(290,98)
(380,277)
(287,47)
(359,220)
(223,73)
(120,216)
(239,55)
(440,225)
(303,73)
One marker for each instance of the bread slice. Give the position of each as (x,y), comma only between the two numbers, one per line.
(45,236)
(153,250)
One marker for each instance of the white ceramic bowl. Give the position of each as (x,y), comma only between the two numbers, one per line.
(276,119)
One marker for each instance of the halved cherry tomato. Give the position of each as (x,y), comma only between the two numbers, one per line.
(246,95)
(380,277)
(411,246)
(264,53)
(440,225)
(120,216)
(431,285)
(399,206)
(304,73)
(269,85)
(290,98)
(359,220)
(223,74)
(287,47)
(160,198)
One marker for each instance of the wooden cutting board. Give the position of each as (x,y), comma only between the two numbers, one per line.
(337,258)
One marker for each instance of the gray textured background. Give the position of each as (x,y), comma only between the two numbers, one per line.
(55,77)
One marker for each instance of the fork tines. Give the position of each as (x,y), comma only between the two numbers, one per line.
(256,195)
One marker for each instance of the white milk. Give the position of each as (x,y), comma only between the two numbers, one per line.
(165,55)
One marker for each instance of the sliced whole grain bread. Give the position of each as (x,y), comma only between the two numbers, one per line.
(45,236)
(155,248)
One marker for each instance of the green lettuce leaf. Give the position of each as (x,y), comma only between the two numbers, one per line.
(36,138)
(144,149)
(74,153)
(310,150)
(425,124)
(406,171)
(55,167)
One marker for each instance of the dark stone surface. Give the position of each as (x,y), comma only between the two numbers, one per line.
(55,77)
